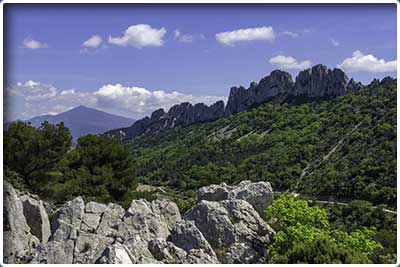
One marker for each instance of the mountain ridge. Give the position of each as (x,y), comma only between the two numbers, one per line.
(313,83)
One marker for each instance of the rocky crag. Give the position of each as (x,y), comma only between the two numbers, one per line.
(316,82)
(224,226)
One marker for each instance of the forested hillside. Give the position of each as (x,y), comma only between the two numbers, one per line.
(340,148)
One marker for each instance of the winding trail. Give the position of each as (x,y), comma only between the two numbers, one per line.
(393,212)
(347,204)
(325,157)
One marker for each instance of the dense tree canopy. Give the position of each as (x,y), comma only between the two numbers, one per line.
(98,168)
(32,152)
(343,147)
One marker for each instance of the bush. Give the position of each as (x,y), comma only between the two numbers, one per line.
(304,235)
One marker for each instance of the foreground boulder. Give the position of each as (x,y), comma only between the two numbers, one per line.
(258,194)
(234,229)
(36,217)
(219,231)
(19,242)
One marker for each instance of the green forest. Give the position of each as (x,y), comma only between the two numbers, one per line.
(341,149)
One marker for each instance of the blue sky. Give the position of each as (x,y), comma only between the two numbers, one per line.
(49,69)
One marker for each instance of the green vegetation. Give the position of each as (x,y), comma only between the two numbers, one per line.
(40,159)
(304,235)
(359,214)
(33,153)
(344,147)
(99,168)
(86,247)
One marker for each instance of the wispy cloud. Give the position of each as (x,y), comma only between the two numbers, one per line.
(31,43)
(290,34)
(334,42)
(187,38)
(368,63)
(184,38)
(288,62)
(140,35)
(231,38)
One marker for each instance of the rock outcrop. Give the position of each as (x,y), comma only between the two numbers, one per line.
(231,224)
(316,82)
(183,114)
(319,81)
(222,229)
(258,194)
(36,217)
(240,98)
(19,242)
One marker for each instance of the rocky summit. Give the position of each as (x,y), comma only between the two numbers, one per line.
(223,227)
(316,82)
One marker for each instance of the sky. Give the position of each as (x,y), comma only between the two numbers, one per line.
(130,59)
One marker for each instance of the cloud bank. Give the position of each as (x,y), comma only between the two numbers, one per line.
(231,38)
(359,62)
(134,102)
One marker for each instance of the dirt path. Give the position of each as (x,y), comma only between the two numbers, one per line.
(325,157)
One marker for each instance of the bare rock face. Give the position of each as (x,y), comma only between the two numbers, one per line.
(258,194)
(36,217)
(187,236)
(319,81)
(240,98)
(230,224)
(278,82)
(115,254)
(67,220)
(65,228)
(183,114)
(19,242)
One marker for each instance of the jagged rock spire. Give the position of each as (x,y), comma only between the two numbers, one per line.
(316,82)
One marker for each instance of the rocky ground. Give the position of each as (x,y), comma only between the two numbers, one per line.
(224,226)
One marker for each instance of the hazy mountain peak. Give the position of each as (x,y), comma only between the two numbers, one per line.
(83,120)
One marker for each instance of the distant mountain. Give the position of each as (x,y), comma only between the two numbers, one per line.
(83,120)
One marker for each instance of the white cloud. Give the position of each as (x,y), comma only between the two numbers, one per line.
(334,42)
(287,62)
(368,63)
(139,36)
(33,91)
(93,42)
(68,92)
(187,38)
(245,35)
(290,34)
(33,44)
(134,102)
